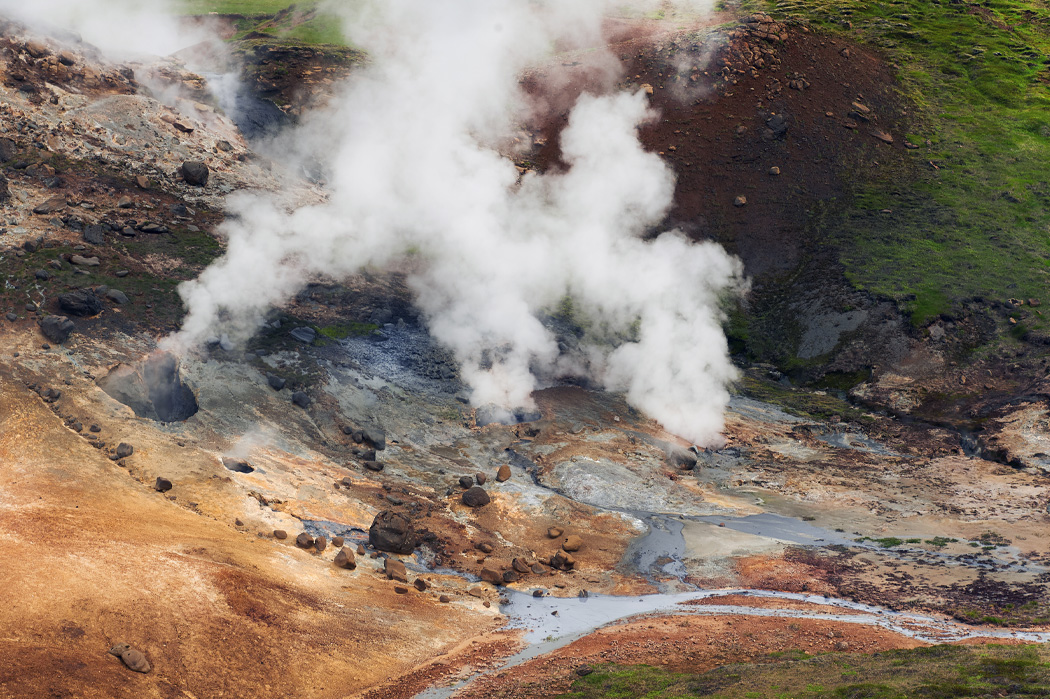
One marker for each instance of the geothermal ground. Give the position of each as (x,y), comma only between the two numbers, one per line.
(301,517)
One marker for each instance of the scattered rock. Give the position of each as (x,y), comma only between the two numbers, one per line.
(276,382)
(510,576)
(195,173)
(395,570)
(444,599)
(555,533)
(346,559)
(320,543)
(374,436)
(304,334)
(392,531)
(476,497)
(466,482)
(740,201)
(491,576)
(337,541)
(882,136)
(503,474)
(162,485)
(117,296)
(584,670)
(52,205)
(563,561)
(841,645)
(572,543)
(304,540)
(82,261)
(42,274)
(373,465)
(484,547)
(55,328)
(400,590)
(14,316)
(774,170)
(124,450)
(301,399)
(280,534)
(132,658)
(481,478)
(94,235)
(420,584)
(142,181)
(80,303)
(125,203)
(521,565)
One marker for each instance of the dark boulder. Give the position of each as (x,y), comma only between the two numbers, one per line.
(304,540)
(162,485)
(392,531)
(345,559)
(476,497)
(466,482)
(56,328)
(124,450)
(195,173)
(80,303)
(276,382)
(301,399)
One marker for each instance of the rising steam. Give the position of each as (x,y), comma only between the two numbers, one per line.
(412,147)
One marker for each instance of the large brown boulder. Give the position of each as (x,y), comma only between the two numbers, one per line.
(392,531)
(476,497)
(345,559)
(395,570)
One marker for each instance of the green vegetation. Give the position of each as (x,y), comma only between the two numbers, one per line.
(886,542)
(233,7)
(345,330)
(936,672)
(969,214)
(301,24)
(801,402)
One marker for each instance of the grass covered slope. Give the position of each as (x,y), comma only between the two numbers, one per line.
(968,215)
(936,672)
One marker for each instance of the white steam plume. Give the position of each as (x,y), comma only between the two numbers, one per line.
(413,166)
(117,27)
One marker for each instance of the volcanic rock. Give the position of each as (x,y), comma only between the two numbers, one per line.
(572,543)
(14,316)
(162,485)
(400,590)
(372,465)
(50,206)
(740,201)
(301,399)
(133,659)
(374,436)
(195,173)
(42,274)
(395,570)
(276,382)
(492,576)
(280,534)
(80,303)
(345,559)
(466,482)
(337,541)
(304,334)
(476,497)
(480,478)
(563,561)
(8,150)
(5,193)
(82,261)
(555,533)
(304,540)
(320,543)
(510,576)
(521,565)
(503,474)
(392,531)
(55,328)
(124,450)
(117,296)
(444,599)
(420,584)
(94,235)
(484,547)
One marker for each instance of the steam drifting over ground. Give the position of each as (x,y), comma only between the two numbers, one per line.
(411,146)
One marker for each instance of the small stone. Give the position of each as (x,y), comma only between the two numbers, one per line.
(538,593)
(301,399)
(444,599)
(142,181)
(125,203)
(774,170)
(337,541)
(395,570)
(740,201)
(162,485)
(420,584)
(555,533)
(304,334)
(476,497)
(503,474)
(563,561)
(466,482)
(82,261)
(276,382)
(491,576)
(124,450)
(521,565)
(360,549)
(320,543)
(510,576)
(280,534)
(304,540)
(134,660)
(372,465)
(484,547)
(117,296)
(883,136)
(400,590)
(841,645)
(345,559)
(584,670)
(14,316)
(481,478)
(42,274)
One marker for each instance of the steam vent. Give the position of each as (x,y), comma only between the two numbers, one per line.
(524,349)
(153,388)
